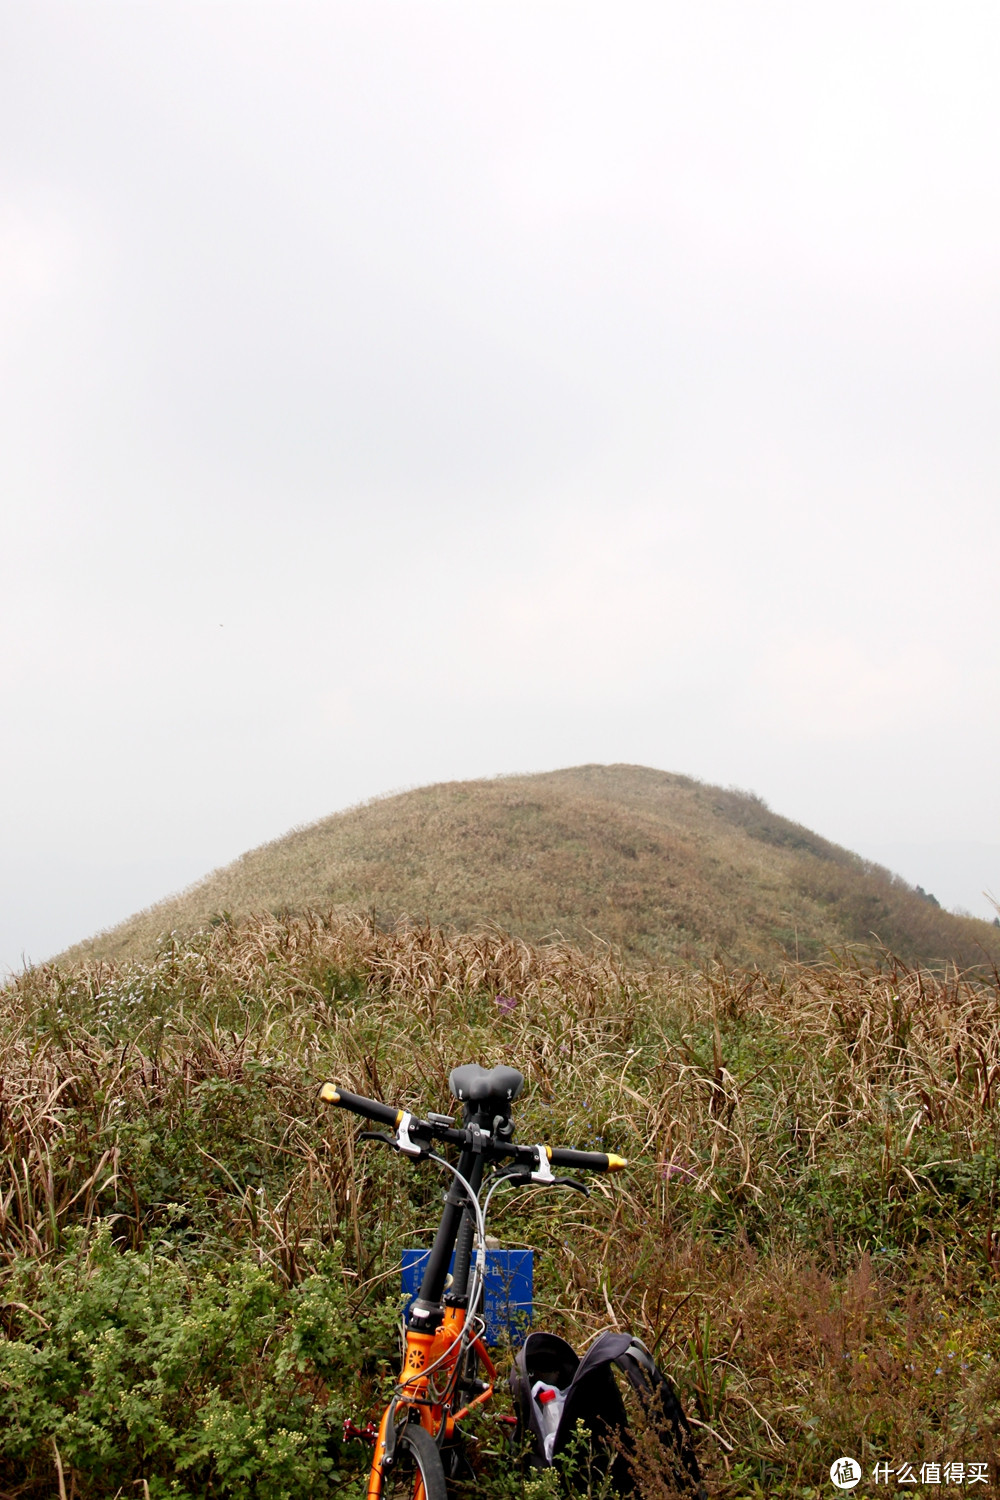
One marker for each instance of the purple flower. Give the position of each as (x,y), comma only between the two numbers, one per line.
(506,1003)
(677,1169)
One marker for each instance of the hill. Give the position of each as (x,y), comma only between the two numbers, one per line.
(663,867)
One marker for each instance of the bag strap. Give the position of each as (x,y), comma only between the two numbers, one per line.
(652,1386)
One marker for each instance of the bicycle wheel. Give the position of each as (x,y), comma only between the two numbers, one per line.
(417,1473)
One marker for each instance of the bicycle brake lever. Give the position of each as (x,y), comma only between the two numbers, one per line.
(402,1141)
(526,1178)
(571,1182)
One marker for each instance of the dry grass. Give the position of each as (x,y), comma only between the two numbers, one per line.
(807,1234)
(662,867)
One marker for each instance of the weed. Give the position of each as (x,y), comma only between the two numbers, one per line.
(199,1270)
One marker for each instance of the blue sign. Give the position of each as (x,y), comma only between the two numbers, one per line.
(507,1292)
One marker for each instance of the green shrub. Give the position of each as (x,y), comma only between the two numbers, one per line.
(221,1381)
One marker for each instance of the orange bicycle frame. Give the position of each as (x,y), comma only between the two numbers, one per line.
(427,1385)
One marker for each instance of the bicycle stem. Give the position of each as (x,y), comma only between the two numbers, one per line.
(458,1293)
(427,1311)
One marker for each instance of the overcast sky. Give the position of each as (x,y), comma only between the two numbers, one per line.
(394,393)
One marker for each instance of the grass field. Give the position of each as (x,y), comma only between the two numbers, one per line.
(199,1269)
(662,867)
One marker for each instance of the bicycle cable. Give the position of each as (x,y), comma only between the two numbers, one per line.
(498,1182)
(479,1266)
(478,1274)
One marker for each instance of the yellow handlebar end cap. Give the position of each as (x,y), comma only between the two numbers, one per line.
(328,1093)
(616,1163)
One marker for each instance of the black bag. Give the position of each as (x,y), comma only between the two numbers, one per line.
(593,1398)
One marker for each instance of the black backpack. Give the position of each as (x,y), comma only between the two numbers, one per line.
(593,1398)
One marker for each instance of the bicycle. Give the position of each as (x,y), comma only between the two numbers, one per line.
(417,1442)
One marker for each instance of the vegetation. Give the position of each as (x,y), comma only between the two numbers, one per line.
(199,1269)
(664,868)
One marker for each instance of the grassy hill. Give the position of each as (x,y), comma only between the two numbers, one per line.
(663,867)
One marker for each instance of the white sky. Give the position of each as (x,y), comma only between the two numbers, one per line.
(398,392)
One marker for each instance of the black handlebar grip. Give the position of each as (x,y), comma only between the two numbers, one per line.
(592,1161)
(369,1108)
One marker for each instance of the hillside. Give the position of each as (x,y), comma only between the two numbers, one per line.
(661,866)
(199,1267)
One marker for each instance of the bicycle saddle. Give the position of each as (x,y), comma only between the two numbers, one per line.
(475,1085)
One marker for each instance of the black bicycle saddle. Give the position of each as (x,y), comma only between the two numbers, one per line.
(475,1085)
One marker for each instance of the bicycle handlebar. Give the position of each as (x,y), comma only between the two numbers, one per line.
(588,1161)
(558,1156)
(359,1105)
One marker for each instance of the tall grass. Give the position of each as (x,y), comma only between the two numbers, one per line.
(807,1235)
